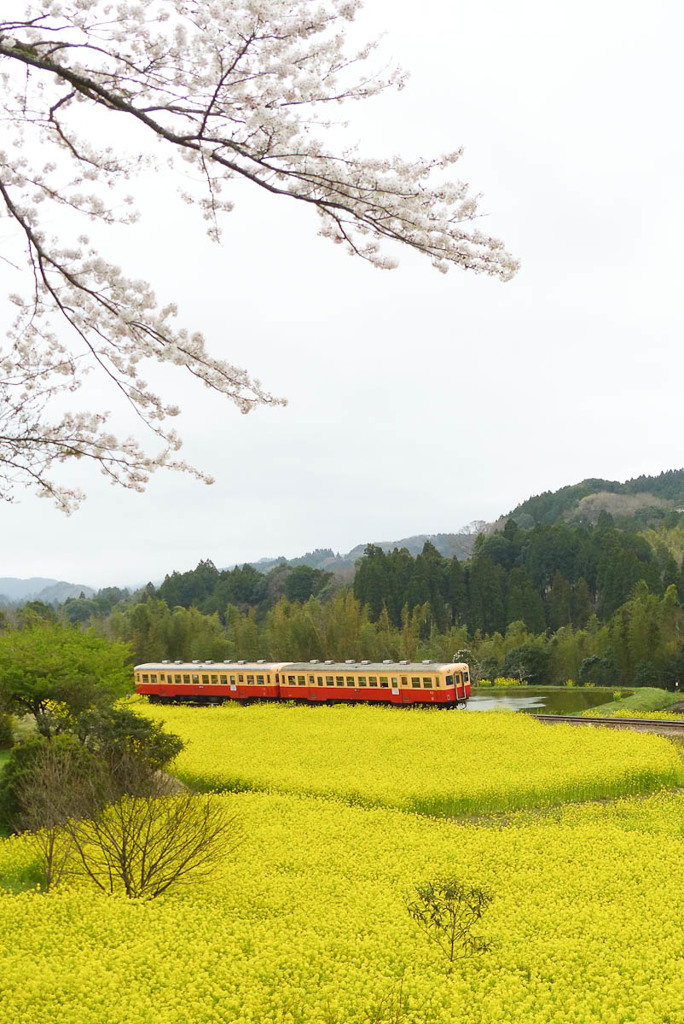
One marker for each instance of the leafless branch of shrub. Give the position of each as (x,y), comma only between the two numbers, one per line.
(142,845)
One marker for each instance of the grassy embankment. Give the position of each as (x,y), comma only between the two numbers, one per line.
(647,699)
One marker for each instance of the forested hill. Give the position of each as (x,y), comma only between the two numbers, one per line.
(643,501)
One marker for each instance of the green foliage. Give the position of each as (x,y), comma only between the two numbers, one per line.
(6,732)
(304,582)
(528,662)
(20,768)
(117,734)
(52,671)
(644,699)
(17,878)
(447,911)
(80,609)
(35,612)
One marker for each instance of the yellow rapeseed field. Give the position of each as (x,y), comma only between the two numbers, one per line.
(667,716)
(437,762)
(307,925)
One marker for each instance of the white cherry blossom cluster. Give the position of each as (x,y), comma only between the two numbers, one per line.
(234,88)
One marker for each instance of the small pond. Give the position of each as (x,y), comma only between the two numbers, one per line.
(541,700)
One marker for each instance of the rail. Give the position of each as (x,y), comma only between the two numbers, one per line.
(665,727)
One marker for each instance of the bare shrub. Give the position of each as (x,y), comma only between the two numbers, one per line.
(144,844)
(60,782)
(117,824)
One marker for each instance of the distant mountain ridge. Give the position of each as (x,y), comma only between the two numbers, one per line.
(459,545)
(39,588)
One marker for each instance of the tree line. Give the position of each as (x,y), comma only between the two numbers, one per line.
(640,644)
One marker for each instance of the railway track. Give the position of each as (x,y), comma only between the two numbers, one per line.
(664,727)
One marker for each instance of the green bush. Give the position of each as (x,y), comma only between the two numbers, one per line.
(20,767)
(6,732)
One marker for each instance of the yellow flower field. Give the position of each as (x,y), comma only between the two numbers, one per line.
(307,925)
(435,762)
(667,716)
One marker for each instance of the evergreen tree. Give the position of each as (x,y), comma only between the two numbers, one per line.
(371,580)
(486,595)
(524,603)
(559,602)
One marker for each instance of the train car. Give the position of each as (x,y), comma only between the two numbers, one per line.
(400,682)
(208,681)
(394,682)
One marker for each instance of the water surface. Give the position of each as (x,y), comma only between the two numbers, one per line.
(541,700)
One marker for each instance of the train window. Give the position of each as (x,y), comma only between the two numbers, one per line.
(427,683)
(320,680)
(438,681)
(232,679)
(260,680)
(339,680)
(161,678)
(195,679)
(205,680)
(178,679)
(241,678)
(395,681)
(268,679)
(466,676)
(362,681)
(450,680)
(153,679)
(372,680)
(383,681)
(214,680)
(301,681)
(146,679)
(292,681)
(329,680)
(415,682)
(223,680)
(186,680)
(277,677)
(404,680)
(312,681)
(250,680)
(351,681)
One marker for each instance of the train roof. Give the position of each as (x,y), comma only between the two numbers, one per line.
(374,667)
(331,667)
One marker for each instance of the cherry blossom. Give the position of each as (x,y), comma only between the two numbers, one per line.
(224,90)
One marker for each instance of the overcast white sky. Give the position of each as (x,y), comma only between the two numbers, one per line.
(417,401)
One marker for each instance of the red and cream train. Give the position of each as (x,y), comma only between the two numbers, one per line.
(394,682)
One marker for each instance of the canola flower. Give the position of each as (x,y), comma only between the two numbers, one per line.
(435,762)
(307,925)
(667,716)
